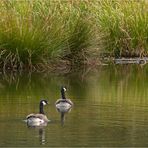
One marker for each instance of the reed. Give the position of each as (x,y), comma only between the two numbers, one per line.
(124,24)
(34,33)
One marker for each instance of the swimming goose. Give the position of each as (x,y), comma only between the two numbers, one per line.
(40,118)
(63,104)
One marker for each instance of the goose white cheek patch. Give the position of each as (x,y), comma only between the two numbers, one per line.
(64,89)
(44,103)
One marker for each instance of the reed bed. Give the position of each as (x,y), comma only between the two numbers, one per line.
(36,33)
(125,25)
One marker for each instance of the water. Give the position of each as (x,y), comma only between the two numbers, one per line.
(110,108)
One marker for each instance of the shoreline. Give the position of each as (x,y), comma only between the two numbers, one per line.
(65,66)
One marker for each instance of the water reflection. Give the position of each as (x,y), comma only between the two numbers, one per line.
(41,134)
(62,113)
(111,108)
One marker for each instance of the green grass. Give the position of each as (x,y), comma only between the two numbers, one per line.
(125,24)
(37,32)
(33,32)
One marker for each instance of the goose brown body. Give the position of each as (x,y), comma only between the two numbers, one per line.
(39,118)
(63,103)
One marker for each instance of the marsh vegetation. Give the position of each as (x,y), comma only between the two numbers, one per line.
(40,34)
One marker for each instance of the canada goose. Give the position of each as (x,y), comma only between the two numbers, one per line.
(39,119)
(63,104)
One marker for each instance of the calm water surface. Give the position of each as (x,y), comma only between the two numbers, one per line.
(110,108)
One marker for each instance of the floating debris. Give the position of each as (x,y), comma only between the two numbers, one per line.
(141,61)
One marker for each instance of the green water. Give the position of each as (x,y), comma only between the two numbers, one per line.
(110,108)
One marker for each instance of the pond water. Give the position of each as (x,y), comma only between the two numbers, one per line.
(110,108)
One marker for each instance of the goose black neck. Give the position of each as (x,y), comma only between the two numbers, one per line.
(41,108)
(63,94)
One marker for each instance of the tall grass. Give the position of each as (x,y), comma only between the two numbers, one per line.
(37,31)
(125,25)
(32,33)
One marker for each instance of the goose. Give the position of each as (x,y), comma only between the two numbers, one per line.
(63,104)
(39,119)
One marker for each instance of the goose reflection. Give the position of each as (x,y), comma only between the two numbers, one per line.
(42,136)
(62,113)
(41,133)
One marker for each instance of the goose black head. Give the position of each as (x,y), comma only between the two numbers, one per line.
(44,102)
(63,89)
